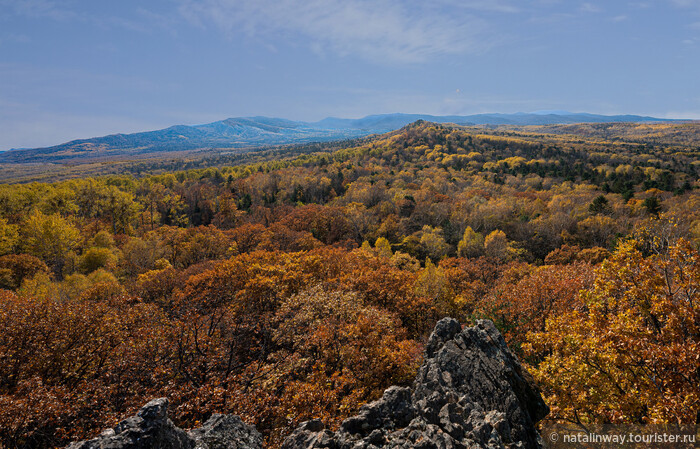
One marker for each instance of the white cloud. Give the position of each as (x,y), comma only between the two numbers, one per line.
(379,30)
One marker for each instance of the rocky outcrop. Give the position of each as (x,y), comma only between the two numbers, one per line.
(151,428)
(471,392)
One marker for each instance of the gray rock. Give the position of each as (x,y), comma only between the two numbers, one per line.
(470,392)
(151,428)
(225,432)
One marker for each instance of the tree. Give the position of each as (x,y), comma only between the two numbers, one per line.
(599,204)
(9,236)
(471,245)
(631,354)
(433,243)
(95,258)
(327,224)
(50,238)
(598,230)
(70,366)
(103,239)
(496,245)
(18,267)
(383,247)
(339,354)
(525,302)
(121,208)
(653,206)
(432,284)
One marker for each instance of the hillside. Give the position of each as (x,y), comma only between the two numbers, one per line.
(670,136)
(251,132)
(230,133)
(303,282)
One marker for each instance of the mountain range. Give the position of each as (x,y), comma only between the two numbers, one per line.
(251,132)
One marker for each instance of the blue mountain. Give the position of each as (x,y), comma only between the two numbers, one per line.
(255,132)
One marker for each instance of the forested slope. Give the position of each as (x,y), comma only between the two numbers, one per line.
(302,287)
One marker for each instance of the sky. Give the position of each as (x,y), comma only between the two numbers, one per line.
(83,68)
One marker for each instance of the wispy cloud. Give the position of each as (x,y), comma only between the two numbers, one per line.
(15,38)
(640,5)
(139,19)
(378,30)
(551,18)
(589,7)
(37,9)
(694,7)
(480,5)
(687,3)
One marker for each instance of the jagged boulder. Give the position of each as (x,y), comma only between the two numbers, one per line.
(151,428)
(471,392)
(225,432)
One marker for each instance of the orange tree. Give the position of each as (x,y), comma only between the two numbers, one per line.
(525,297)
(335,353)
(632,354)
(254,340)
(69,367)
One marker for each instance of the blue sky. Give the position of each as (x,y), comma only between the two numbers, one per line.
(82,68)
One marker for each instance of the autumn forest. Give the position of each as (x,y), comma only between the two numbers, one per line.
(301,283)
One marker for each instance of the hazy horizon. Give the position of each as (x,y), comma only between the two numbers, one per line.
(541,112)
(73,69)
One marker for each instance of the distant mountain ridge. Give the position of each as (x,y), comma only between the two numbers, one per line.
(390,122)
(245,132)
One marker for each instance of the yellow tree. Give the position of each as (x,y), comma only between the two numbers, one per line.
(433,243)
(8,236)
(631,355)
(50,238)
(471,245)
(383,247)
(496,245)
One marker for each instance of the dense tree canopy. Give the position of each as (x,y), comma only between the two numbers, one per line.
(304,286)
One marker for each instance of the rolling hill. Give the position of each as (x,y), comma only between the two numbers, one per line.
(255,132)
